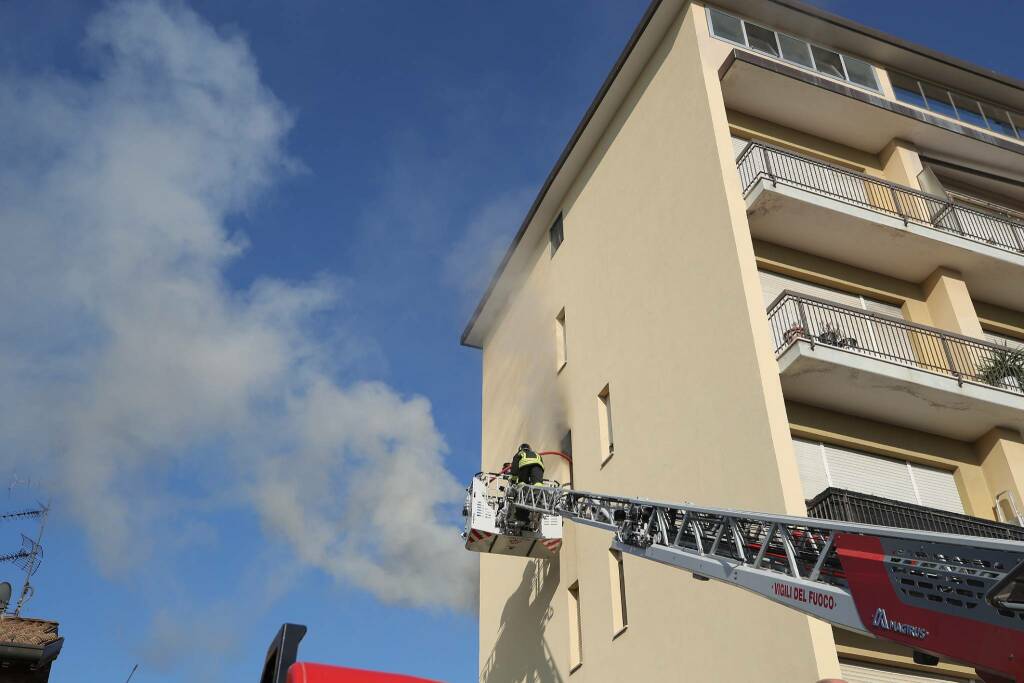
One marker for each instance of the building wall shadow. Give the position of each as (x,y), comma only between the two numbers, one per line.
(521,653)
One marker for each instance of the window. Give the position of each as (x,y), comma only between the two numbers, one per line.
(561,351)
(1000,339)
(956,106)
(938,100)
(828,62)
(762,39)
(907,90)
(556,234)
(860,72)
(575,628)
(618,585)
(793,50)
(999,120)
(566,447)
(604,419)
(727,26)
(796,51)
(823,465)
(969,111)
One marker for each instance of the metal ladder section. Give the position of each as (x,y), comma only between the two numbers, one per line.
(798,562)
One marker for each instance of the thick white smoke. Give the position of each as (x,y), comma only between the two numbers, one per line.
(125,357)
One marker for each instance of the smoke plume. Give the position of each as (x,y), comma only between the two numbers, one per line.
(127,358)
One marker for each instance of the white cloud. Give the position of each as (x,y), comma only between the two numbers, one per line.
(124,351)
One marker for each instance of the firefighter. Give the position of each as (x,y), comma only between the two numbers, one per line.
(527,466)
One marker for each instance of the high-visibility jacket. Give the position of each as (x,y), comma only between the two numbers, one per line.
(525,458)
(530,458)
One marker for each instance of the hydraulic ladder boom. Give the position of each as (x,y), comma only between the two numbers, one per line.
(944,595)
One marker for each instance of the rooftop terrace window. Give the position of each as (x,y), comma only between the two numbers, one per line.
(793,50)
(957,106)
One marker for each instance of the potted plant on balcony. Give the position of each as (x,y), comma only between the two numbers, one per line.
(795,331)
(834,337)
(1004,368)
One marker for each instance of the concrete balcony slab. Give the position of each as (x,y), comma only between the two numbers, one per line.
(859,384)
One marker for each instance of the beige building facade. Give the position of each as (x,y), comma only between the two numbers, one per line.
(782,254)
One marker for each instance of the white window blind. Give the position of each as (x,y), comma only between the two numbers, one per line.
(863,672)
(937,488)
(773,284)
(738,144)
(811,463)
(822,465)
(1003,340)
(870,474)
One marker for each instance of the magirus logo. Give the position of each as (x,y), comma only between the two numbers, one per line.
(882,621)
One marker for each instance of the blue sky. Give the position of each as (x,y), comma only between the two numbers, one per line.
(242,240)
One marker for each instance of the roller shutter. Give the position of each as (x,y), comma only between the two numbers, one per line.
(862,672)
(1003,340)
(809,460)
(737,145)
(773,284)
(822,465)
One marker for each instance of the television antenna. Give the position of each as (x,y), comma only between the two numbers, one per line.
(30,556)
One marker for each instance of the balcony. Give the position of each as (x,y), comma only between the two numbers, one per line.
(849,506)
(822,209)
(790,96)
(881,368)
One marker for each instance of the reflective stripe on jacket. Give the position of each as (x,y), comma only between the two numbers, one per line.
(527,458)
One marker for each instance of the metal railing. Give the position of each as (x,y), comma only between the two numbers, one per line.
(759,161)
(794,317)
(841,505)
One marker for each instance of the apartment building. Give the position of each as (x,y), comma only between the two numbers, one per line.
(783,254)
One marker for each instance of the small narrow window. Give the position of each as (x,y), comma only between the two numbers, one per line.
(762,39)
(561,351)
(556,234)
(796,51)
(860,72)
(618,585)
(999,120)
(938,100)
(726,26)
(907,90)
(566,447)
(575,628)
(604,418)
(969,111)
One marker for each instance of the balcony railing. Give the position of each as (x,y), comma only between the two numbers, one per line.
(849,506)
(759,161)
(795,317)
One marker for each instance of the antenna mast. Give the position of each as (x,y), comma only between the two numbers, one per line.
(31,553)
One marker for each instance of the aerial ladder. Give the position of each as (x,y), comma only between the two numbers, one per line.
(946,596)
